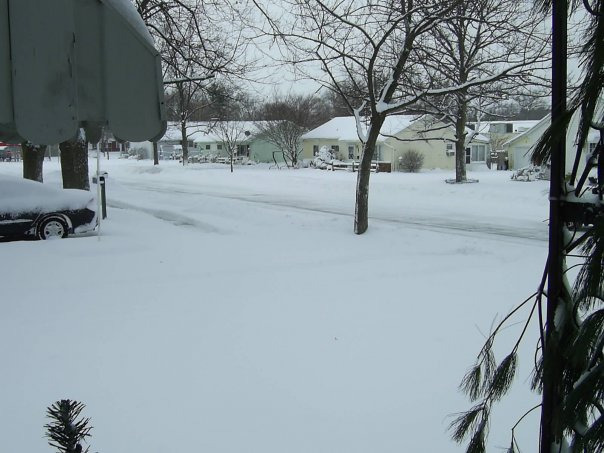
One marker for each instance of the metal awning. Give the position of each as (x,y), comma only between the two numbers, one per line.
(66,64)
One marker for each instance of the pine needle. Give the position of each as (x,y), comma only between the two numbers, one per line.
(503,377)
(466,422)
(471,383)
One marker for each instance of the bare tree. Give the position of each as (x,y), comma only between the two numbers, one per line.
(285,135)
(532,106)
(500,45)
(305,110)
(232,134)
(196,47)
(365,48)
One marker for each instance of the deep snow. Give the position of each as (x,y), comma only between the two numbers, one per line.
(21,195)
(231,313)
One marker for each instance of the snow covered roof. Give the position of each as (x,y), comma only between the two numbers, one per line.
(344,128)
(518,126)
(474,136)
(194,130)
(480,138)
(208,131)
(530,130)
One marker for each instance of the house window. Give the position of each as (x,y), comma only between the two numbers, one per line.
(315,150)
(218,146)
(450,150)
(378,152)
(243,150)
(208,146)
(468,156)
(509,128)
(351,151)
(479,153)
(335,149)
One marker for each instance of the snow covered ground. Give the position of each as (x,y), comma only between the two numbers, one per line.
(232,313)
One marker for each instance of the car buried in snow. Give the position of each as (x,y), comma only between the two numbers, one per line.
(30,209)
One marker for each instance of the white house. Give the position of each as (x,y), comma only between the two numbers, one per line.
(170,145)
(211,139)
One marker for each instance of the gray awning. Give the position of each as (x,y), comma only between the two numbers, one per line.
(66,64)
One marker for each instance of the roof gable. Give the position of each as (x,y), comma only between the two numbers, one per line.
(539,127)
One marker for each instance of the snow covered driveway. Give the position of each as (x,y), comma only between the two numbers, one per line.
(238,313)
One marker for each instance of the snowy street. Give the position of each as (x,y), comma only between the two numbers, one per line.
(232,313)
(430,209)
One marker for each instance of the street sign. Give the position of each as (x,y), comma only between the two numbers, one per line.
(66,64)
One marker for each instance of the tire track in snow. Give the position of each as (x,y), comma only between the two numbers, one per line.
(168,216)
(439,224)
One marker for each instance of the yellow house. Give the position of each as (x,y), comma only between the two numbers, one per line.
(400,133)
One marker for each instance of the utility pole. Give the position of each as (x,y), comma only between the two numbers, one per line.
(551,430)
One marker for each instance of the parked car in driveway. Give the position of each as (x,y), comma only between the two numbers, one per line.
(33,209)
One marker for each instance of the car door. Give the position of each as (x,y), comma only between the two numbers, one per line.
(16,225)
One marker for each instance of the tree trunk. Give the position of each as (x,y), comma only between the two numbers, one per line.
(232,154)
(185,142)
(74,164)
(155,154)
(361,212)
(33,161)
(460,143)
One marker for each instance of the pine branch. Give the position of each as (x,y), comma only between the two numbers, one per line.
(65,431)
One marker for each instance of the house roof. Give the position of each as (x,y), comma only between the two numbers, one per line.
(592,136)
(344,128)
(528,131)
(478,137)
(208,131)
(518,126)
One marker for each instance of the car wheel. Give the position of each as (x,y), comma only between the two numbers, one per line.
(53,228)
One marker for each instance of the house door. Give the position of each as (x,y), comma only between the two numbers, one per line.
(243,150)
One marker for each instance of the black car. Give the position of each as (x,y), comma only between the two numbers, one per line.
(33,209)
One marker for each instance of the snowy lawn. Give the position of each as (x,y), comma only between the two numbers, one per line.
(232,313)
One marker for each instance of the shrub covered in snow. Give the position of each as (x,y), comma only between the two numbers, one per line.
(324,157)
(411,161)
(530,173)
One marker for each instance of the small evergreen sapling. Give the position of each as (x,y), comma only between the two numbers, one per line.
(67,430)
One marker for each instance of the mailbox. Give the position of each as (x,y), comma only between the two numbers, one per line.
(66,64)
